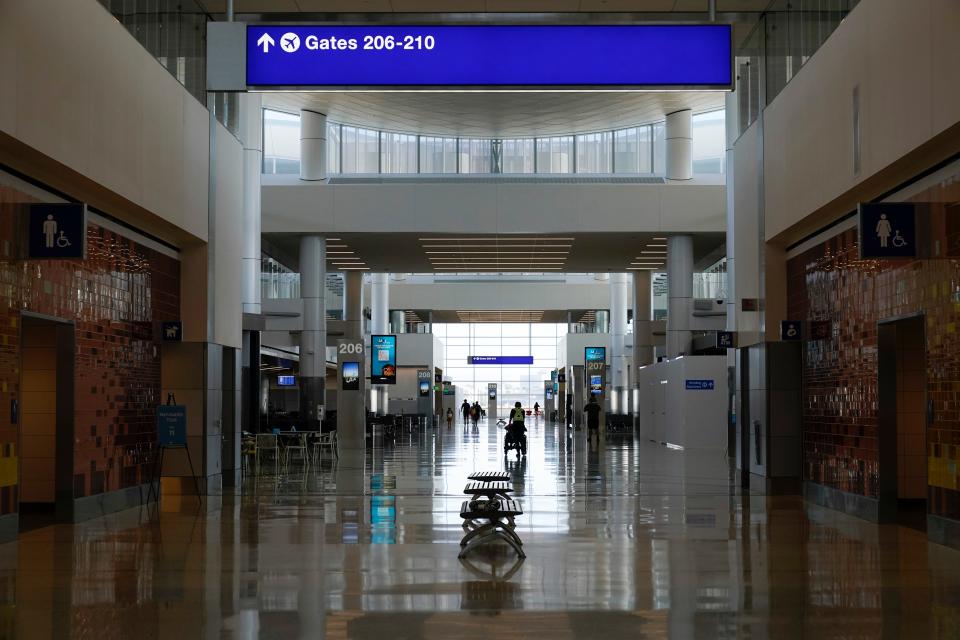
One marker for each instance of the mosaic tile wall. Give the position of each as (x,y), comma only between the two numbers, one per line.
(116,297)
(829,283)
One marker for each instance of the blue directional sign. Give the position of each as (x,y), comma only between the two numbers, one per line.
(57,231)
(500,360)
(888,230)
(700,385)
(640,56)
(172,425)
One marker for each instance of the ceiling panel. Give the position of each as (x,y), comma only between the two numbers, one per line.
(473,6)
(488,114)
(584,253)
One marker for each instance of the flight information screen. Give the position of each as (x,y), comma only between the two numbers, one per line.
(541,56)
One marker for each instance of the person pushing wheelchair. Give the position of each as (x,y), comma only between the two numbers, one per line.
(516,431)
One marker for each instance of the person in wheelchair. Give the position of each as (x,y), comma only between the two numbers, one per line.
(516,432)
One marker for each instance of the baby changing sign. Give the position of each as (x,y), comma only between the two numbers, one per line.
(888,230)
(57,231)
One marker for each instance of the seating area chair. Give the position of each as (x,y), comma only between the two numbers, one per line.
(294,443)
(322,440)
(266,443)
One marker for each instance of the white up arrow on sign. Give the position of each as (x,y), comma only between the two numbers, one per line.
(266,41)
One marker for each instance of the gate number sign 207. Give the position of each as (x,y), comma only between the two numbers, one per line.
(351,347)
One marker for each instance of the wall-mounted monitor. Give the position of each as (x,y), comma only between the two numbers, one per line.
(286,381)
(596,385)
(350,376)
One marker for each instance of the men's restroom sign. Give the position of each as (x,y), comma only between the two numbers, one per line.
(57,231)
(888,230)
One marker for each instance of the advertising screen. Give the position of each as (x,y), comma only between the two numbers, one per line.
(383,359)
(350,376)
(286,381)
(596,385)
(424,388)
(595,354)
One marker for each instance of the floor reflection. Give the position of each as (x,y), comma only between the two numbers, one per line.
(625,539)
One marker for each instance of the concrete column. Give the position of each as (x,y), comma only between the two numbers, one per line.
(313,337)
(679,294)
(251,133)
(602,322)
(679,145)
(398,321)
(642,323)
(353,304)
(379,325)
(313,145)
(619,372)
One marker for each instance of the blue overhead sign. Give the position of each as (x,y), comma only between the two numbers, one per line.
(595,354)
(582,56)
(700,385)
(500,360)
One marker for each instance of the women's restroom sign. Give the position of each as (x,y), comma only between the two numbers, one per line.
(57,231)
(888,230)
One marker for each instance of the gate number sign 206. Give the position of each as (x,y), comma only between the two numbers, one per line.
(351,347)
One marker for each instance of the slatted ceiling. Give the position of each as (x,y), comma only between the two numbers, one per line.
(500,316)
(497,253)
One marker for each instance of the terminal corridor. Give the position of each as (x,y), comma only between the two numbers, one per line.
(624,539)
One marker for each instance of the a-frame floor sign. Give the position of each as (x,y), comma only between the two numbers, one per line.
(171,434)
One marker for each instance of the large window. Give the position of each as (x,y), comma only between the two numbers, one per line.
(555,155)
(474,155)
(515,383)
(595,152)
(355,150)
(361,150)
(632,152)
(438,155)
(517,155)
(281,142)
(398,153)
(709,142)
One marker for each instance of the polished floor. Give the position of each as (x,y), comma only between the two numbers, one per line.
(624,539)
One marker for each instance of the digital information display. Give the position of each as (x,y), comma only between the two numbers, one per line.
(383,360)
(286,381)
(595,354)
(350,376)
(596,385)
(582,56)
(500,360)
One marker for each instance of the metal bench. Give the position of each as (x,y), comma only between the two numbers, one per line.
(490,490)
(489,476)
(494,527)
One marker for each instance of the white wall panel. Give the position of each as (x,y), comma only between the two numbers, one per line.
(292,206)
(78,88)
(228,240)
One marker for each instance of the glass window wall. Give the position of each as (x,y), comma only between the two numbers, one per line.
(515,383)
(518,155)
(281,142)
(709,142)
(355,150)
(361,150)
(595,152)
(438,155)
(474,155)
(555,155)
(398,153)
